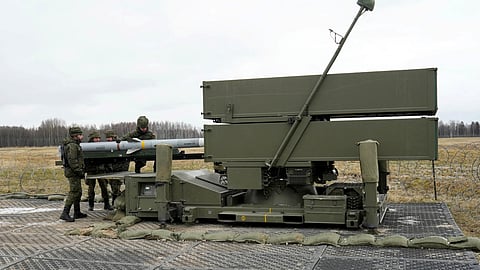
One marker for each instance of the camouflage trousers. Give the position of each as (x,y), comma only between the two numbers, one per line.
(139,164)
(91,188)
(75,192)
(115,184)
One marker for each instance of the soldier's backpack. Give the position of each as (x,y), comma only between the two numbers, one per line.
(63,156)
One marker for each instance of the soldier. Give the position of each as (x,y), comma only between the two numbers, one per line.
(116,166)
(141,133)
(96,169)
(74,170)
(110,136)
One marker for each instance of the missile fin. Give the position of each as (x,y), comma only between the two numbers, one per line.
(131,151)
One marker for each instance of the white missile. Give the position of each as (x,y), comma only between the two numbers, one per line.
(137,145)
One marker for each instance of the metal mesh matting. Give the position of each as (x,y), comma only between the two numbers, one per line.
(34,263)
(36,240)
(244,256)
(10,249)
(406,253)
(389,263)
(7,260)
(420,220)
(134,252)
(395,258)
(236,261)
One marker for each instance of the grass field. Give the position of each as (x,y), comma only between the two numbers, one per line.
(33,170)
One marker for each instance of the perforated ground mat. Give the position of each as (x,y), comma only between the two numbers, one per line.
(32,237)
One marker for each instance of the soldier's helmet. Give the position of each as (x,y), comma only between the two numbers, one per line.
(93,135)
(75,131)
(110,133)
(142,122)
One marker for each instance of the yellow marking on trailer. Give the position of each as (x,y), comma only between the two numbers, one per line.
(265,216)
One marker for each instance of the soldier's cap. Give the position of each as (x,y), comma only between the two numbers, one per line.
(110,133)
(142,122)
(75,131)
(94,134)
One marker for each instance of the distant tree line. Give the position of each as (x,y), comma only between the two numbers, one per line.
(458,129)
(52,132)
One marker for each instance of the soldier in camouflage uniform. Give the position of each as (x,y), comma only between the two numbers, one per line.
(141,133)
(117,166)
(74,170)
(96,169)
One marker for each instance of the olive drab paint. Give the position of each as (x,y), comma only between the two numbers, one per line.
(274,142)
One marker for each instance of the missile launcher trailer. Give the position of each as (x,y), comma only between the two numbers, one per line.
(276,140)
(253,116)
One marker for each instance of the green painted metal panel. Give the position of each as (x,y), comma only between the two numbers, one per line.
(383,93)
(325,209)
(137,201)
(399,139)
(190,188)
(250,178)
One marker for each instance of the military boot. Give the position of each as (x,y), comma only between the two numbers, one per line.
(76,211)
(66,214)
(107,205)
(90,204)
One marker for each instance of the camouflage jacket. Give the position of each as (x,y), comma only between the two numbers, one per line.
(148,135)
(74,157)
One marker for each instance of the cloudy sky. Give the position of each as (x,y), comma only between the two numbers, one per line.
(98,62)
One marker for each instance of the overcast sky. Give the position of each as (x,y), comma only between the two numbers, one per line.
(100,62)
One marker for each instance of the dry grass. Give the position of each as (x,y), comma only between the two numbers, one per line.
(33,170)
